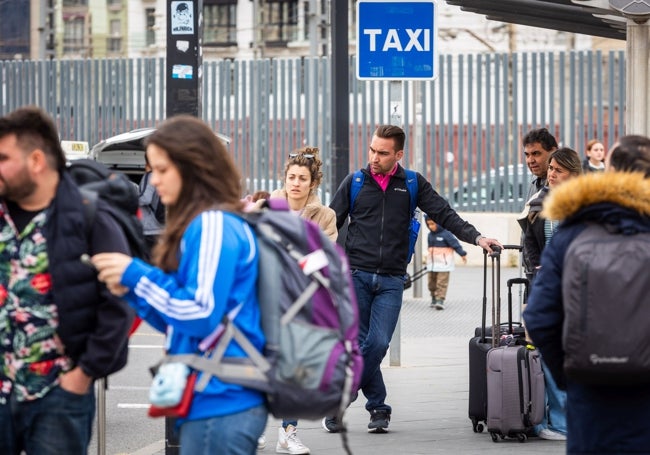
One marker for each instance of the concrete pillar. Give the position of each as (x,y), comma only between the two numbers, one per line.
(637,115)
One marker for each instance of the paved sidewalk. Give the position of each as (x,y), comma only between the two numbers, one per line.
(428,392)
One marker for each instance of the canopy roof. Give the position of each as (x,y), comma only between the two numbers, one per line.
(590,17)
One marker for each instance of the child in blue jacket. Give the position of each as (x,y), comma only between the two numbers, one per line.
(440,261)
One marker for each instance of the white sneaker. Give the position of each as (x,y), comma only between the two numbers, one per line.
(288,442)
(551,435)
(261,442)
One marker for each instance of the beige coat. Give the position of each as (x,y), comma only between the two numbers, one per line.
(314,211)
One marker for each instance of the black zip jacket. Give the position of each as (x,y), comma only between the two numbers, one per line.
(93,324)
(377,238)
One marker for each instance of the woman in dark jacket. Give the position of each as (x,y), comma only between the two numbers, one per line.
(601,419)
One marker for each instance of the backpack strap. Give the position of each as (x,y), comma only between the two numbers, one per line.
(357,182)
(89,203)
(412,186)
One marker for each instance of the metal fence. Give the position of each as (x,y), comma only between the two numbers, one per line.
(463,130)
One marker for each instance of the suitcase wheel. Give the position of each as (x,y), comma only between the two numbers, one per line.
(521,437)
(476,426)
(495,437)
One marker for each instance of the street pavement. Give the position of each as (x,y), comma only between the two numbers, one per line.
(427,383)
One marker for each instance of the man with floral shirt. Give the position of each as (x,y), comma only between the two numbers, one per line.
(59,327)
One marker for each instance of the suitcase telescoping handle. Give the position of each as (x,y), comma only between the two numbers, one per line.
(510,282)
(495,255)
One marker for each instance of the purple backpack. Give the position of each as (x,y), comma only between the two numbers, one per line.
(311,365)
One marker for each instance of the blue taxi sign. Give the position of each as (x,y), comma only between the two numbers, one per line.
(396,40)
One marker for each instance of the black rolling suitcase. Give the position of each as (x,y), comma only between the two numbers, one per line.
(483,341)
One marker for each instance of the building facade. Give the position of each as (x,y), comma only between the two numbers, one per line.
(239,29)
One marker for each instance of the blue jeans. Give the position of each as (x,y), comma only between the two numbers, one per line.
(555,417)
(379,297)
(60,422)
(234,434)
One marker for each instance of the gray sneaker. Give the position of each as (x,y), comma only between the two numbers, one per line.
(440,304)
(379,421)
(332,425)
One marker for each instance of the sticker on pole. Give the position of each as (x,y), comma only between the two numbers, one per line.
(396,40)
(182,18)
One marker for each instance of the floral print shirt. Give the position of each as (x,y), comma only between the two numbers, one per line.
(32,358)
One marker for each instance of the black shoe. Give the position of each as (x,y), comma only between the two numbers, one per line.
(332,425)
(379,421)
(440,304)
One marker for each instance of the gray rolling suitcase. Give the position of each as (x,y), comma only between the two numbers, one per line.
(515,383)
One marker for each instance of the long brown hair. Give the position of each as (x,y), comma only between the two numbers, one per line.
(209,180)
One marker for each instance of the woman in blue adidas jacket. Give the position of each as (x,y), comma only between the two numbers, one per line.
(206,265)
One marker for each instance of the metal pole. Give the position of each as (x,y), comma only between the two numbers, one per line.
(418,165)
(340,118)
(183,90)
(101,416)
(184,57)
(396,116)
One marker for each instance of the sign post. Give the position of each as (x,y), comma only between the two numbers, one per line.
(184,57)
(396,42)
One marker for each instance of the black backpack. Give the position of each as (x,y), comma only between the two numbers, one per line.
(606,333)
(96,181)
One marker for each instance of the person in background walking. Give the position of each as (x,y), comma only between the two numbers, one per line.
(600,418)
(440,261)
(60,328)
(206,267)
(377,244)
(594,157)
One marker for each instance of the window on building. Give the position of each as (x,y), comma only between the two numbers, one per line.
(114,43)
(73,35)
(150,18)
(114,2)
(75,2)
(220,22)
(280,19)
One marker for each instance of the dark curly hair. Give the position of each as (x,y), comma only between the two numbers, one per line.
(307,157)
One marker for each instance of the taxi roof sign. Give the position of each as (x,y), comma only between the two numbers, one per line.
(75,149)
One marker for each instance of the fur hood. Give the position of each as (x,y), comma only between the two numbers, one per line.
(626,189)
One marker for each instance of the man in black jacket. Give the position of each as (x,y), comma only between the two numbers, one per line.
(377,245)
(60,328)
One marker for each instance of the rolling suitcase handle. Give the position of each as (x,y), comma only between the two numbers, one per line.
(510,282)
(496,293)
